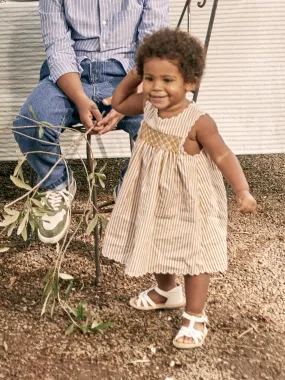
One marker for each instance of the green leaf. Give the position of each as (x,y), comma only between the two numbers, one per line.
(48,275)
(94,164)
(69,289)
(73,312)
(101,175)
(70,329)
(52,307)
(80,310)
(95,323)
(102,326)
(103,168)
(46,124)
(92,225)
(25,233)
(10,229)
(83,328)
(9,211)
(103,220)
(32,223)
(19,165)
(4,249)
(23,223)
(36,202)
(102,183)
(9,220)
(39,212)
(32,112)
(20,183)
(41,131)
(91,176)
(66,276)
(21,174)
(45,303)
(47,287)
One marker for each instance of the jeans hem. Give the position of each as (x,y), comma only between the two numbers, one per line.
(61,183)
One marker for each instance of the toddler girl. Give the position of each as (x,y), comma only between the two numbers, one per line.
(171,213)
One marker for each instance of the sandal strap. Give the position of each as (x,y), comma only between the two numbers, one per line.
(193,318)
(165,294)
(161,292)
(144,299)
(190,332)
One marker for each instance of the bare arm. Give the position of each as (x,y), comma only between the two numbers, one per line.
(126,98)
(71,85)
(207,135)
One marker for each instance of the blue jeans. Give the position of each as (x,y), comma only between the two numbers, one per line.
(50,104)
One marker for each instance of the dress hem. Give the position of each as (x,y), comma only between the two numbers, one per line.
(182,273)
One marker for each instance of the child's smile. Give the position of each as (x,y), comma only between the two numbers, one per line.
(164,87)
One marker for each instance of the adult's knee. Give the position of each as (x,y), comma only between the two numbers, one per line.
(25,125)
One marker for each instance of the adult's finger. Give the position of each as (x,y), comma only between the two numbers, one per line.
(108,128)
(95,112)
(87,120)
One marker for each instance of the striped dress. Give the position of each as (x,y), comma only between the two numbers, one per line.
(171,212)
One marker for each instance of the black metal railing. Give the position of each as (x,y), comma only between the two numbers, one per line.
(200,4)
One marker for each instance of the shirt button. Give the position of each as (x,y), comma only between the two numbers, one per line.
(104,22)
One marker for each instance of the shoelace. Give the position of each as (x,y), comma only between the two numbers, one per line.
(55,198)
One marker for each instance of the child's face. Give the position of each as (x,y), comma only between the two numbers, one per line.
(164,86)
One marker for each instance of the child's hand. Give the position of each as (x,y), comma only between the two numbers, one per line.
(245,201)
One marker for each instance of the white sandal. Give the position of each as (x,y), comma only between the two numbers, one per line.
(174,299)
(191,332)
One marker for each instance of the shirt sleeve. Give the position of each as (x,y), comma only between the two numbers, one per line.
(57,39)
(155,16)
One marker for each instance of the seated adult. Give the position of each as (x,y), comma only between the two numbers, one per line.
(90,46)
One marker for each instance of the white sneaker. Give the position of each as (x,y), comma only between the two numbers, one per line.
(53,225)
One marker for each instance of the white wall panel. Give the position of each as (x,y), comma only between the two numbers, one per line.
(244,83)
(243,87)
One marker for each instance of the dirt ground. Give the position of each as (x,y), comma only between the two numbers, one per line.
(246,306)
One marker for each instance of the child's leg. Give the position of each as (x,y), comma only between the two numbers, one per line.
(165,282)
(196,290)
(168,294)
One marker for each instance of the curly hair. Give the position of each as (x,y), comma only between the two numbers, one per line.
(176,46)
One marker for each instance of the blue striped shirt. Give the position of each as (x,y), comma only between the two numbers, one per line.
(97,29)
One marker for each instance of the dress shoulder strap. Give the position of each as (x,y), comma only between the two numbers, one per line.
(149,112)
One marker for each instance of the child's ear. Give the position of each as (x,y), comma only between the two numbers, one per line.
(190,87)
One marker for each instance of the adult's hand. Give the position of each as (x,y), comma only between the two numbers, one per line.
(89,114)
(71,85)
(110,121)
